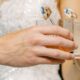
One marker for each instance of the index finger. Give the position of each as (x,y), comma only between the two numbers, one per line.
(56,30)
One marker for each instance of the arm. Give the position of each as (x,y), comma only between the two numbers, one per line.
(73,4)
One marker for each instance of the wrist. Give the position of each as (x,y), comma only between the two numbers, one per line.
(10,47)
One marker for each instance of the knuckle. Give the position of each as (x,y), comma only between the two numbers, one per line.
(56,29)
(34,50)
(68,33)
(33,59)
(75,46)
(39,61)
(34,28)
(56,53)
(59,41)
(37,40)
(59,28)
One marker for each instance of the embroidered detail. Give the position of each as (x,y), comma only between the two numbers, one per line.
(70,13)
(46,11)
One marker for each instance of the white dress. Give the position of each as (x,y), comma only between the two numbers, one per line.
(19,14)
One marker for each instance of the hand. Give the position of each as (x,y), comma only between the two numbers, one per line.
(36,45)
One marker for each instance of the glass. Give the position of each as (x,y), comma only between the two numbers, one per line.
(74,26)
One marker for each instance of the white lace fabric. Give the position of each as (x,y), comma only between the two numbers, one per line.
(19,14)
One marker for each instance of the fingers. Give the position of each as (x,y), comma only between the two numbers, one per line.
(52,53)
(43,60)
(56,30)
(56,41)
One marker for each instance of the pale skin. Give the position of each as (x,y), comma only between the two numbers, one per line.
(36,45)
(72,4)
(69,70)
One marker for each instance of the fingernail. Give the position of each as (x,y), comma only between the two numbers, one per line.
(76,46)
(71,36)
